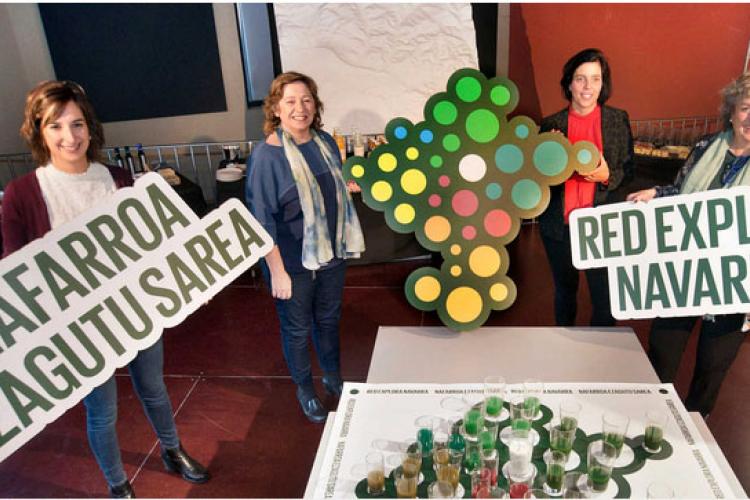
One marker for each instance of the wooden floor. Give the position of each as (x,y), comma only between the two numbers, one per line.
(235,405)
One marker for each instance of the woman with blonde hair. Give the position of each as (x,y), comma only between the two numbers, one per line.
(295,188)
(65,138)
(719,161)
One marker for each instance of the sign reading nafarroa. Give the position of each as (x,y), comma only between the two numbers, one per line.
(683,255)
(84,299)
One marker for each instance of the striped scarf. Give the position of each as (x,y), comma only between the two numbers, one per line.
(317,248)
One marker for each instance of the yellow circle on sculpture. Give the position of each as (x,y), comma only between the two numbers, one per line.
(464,304)
(387,162)
(358,171)
(404,213)
(413,181)
(437,228)
(455,271)
(381,191)
(498,292)
(427,289)
(455,249)
(412,153)
(484,261)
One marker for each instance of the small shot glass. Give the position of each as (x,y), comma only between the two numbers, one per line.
(494,397)
(653,435)
(555,480)
(570,410)
(614,427)
(406,485)
(601,459)
(375,473)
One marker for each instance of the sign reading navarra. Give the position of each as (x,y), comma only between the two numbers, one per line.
(84,299)
(681,255)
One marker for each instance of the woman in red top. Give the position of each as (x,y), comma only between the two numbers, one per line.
(586,84)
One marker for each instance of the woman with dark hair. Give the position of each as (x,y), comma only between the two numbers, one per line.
(721,160)
(65,137)
(586,83)
(296,190)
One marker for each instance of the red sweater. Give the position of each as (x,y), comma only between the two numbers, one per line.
(25,216)
(579,193)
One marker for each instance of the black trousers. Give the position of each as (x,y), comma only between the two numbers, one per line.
(718,344)
(565,276)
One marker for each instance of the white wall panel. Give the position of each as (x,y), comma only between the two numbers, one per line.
(375,62)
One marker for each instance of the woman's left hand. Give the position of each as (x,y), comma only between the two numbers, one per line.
(600,173)
(353,187)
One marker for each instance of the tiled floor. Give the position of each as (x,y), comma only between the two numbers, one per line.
(235,405)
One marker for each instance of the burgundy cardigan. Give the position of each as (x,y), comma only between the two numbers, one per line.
(25,216)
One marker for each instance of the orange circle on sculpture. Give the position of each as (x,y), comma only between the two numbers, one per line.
(498,292)
(437,228)
(427,289)
(484,261)
(464,304)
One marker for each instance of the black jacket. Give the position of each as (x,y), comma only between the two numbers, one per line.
(617,142)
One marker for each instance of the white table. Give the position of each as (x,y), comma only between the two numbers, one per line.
(440,355)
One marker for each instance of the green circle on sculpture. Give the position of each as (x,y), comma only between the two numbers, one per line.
(482,125)
(550,158)
(584,156)
(436,161)
(500,95)
(445,112)
(522,131)
(468,89)
(451,143)
(526,194)
(493,190)
(509,158)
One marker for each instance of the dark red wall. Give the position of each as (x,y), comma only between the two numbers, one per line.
(667,60)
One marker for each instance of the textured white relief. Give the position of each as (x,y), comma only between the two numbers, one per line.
(375,62)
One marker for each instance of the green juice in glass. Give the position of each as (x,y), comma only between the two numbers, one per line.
(616,440)
(652,438)
(568,424)
(532,405)
(520,424)
(599,478)
(555,475)
(424,436)
(562,445)
(456,442)
(493,406)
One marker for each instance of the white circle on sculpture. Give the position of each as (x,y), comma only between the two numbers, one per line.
(472,167)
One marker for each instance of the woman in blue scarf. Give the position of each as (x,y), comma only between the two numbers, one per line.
(296,190)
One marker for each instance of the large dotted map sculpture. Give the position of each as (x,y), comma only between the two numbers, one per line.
(461,180)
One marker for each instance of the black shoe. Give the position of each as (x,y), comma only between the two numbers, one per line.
(123,490)
(178,461)
(311,405)
(333,384)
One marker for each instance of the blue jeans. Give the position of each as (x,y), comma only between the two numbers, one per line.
(565,276)
(314,310)
(101,411)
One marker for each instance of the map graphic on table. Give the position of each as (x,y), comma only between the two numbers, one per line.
(380,417)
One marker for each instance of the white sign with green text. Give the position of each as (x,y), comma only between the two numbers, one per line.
(683,255)
(84,299)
